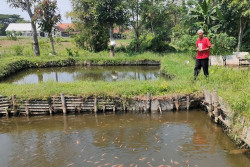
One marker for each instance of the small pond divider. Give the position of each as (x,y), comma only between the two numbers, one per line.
(218,110)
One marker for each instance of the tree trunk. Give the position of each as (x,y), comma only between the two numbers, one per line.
(34,31)
(240,36)
(35,39)
(112,48)
(52,43)
(137,36)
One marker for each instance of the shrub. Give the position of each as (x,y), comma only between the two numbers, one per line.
(186,43)
(222,44)
(151,42)
(18,50)
(12,35)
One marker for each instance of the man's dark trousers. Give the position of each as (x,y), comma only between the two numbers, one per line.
(201,63)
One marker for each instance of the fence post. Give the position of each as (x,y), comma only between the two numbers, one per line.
(14,105)
(176,102)
(188,102)
(210,106)
(148,102)
(216,113)
(63,103)
(95,105)
(27,108)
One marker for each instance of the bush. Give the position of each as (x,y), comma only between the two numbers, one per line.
(151,42)
(12,35)
(222,44)
(186,43)
(18,50)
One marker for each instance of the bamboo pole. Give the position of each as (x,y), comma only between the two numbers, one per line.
(216,113)
(95,105)
(27,108)
(63,104)
(14,105)
(159,106)
(148,102)
(210,106)
(176,102)
(188,102)
(114,109)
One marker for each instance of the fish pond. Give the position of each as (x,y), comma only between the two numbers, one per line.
(121,140)
(83,73)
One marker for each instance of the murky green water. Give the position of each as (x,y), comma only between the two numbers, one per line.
(174,139)
(80,73)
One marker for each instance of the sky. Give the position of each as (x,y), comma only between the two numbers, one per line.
(63,5)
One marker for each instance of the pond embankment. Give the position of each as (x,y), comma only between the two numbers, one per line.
(237,127)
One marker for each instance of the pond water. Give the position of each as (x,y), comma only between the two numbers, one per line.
(121,140)
(80,73)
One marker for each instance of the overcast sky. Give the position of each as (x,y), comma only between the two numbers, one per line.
(63,5)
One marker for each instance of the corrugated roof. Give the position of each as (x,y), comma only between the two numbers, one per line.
(64,26)
(20,27)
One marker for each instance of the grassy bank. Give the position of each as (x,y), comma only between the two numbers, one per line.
(232,84)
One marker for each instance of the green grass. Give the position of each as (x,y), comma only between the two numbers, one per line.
(232,84)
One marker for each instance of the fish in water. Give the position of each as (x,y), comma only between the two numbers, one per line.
(239,151)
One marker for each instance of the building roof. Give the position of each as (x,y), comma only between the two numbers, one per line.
(20,27)
(64,26)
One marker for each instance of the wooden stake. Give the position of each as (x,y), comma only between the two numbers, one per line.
(188,102)
(216,113)
(14,105)
(159,106)
(63,104)
(176,102)
(95,105)
(210,106)
(27,109)
(104,108)
(148,102)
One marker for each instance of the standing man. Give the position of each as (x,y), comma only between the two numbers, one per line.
(203,46)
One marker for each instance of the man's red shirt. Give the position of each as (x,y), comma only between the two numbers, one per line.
(203,44)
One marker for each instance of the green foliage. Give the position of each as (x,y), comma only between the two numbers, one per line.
(94,38)
(151,42)
(12,35)
(186,43)
(71,54)
(18,50)
(222,44)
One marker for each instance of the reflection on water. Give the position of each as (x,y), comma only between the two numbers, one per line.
(93,73)
(174,139)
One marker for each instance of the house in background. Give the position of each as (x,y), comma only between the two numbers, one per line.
(24,29)
(65,29)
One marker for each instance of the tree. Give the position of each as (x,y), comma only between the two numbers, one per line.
(241,8)
(29,6)
(5,20)
(205,15)
(47,17)
(100,15)
(92,35)
(110,13)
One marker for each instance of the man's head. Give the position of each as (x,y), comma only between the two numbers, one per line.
(200,33)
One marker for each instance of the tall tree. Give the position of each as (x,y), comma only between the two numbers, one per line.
(46,13)
(110,13)
(29,6)
(93,35)
(241,8)
(203,14)
(100,14)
